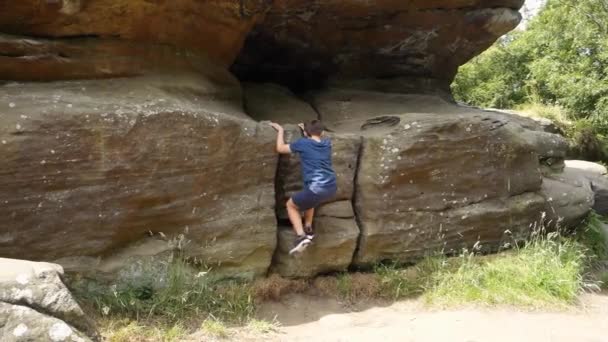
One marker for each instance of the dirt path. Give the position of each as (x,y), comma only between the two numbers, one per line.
(313,319)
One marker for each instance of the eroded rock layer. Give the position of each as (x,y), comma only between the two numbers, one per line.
(216,27)
(434,176)
(90,167)
(171,151)
(302,42)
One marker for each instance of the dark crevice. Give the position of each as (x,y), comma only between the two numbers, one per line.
(13,55)
(354,203)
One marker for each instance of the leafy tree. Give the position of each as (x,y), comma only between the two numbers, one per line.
(560,59)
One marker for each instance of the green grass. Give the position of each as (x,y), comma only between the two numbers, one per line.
(588,138)
(215,328)
(554,113)
(344,285)
(186,293)
(132,331)
(593,236)
(547,272)
(262,326)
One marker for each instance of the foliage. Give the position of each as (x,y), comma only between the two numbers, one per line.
(587,139)
(561,59)
(593,237)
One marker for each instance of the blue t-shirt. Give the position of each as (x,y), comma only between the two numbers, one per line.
(315,158)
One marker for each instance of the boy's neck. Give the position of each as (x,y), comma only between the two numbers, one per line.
(316,138)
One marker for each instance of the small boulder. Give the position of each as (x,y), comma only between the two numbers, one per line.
(35,304)
(597,175)
(569,197)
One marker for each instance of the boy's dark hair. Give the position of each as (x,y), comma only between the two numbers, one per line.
(314,127)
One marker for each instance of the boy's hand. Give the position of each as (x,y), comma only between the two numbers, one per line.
(301,125)
(276,126)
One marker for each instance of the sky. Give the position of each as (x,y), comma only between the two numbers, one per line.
(530,9)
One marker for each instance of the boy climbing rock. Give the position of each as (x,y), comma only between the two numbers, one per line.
(317,173)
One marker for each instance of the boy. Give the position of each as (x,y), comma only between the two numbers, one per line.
(318,174)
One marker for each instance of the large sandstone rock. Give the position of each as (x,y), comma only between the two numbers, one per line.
(215,28)
(569,197)
(109,176)
(35,305)
(24,58)
(92,167)
(302,42)
(434,176)
(597,177)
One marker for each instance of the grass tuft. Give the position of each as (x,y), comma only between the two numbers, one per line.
(262,326)
(132,331)
(215,328)
(593,236)
(546,272)
(275,287)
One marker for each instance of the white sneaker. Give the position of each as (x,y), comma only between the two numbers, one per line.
(300,244)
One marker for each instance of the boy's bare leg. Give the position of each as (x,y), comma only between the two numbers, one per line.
(308,217)
(294,216)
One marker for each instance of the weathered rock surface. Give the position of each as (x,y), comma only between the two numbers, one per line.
(91,167)
(35,305)
(597,176)
(272,102)
(106,175)
(24,58)
(302,41)
(215,28)
(434,176)
(569,197)
(332,249)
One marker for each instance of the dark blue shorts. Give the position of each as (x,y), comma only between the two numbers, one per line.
(306,199)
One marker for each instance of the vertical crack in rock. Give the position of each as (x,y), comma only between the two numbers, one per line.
(354,201)
(277,193)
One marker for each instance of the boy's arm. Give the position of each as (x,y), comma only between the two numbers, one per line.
(282,147)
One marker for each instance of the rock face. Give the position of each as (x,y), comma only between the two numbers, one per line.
(141,140)
(569,197)
(90,167)
(35,305)
(434,176)
(596,176)
(215,28)
(303,41)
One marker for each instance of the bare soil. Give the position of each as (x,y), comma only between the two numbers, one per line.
(308,318)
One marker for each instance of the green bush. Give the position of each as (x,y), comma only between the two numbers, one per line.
(561,59)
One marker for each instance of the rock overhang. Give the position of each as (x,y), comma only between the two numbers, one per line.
(303,43)
(297,43)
